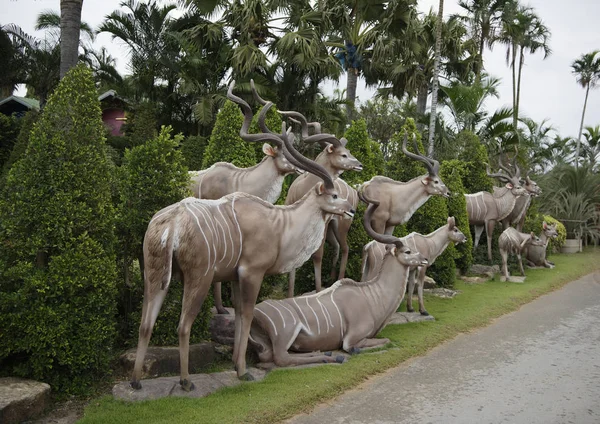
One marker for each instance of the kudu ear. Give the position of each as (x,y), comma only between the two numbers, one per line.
(391,248)
(269,150)
(320,188)
(343,141)
(451,222)
(426,180)
(532,235)
(509,186)
(544,225)
(330,148)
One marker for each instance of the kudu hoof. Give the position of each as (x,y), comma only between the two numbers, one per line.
(354,351)
(410,310)
(340,359)
(425,313)
(136,385)
(187,385)
(247,377)
(327,353)
(222,311)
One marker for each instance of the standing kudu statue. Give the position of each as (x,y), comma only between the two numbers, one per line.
(536,255)
(517,216)
(237,238)
(335,158)
(347,315)
(486,209)
(431,246)
(514,241)
(397,200)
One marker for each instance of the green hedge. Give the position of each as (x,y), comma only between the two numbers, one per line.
(20,146)
(10,127)
(57,243)
(192,149)
(474,155)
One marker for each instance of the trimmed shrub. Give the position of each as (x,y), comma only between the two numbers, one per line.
(452,172)
(365,150)
(192,149)
(474,156)
(225,144)
(22,141)
(9,132)
(57,296)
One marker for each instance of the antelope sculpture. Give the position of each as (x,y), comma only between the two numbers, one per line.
(513,241)
(431,246)
(517,216)
(336,159)
(398,201)
(237,238)
(486,209)
(348,314)
(263,180)
(536,255)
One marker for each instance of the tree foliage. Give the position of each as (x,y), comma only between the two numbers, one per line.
(57,296)
(474,156)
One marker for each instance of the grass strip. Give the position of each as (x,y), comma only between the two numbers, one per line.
(285,393)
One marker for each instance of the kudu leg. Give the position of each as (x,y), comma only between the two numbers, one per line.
(420,284)
(504,264)
(354,347)
(335,245)
(489,231)
(520,259)
(478,230)
(248,288)
(317,258)
(153,300)
(195,289)
(218,298)
(342,238)
(283,358)
(411,290)
(291,283)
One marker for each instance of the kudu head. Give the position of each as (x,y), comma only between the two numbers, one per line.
(394,246)
(432,182)
(532,240)
(531,186)
(326,196)
(454,234)
(335,153)
(512,181)
(283,166)
(549,230)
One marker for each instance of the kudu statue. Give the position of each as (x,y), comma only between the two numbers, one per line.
(335,158)
(237,238)
(398,200)
(263,180)
(346,315)
(536,255)
(431,246)
(514,241)
(486,209)
(517,216)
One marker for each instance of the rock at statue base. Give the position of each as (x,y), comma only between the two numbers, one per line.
(513,279)
(488,270)
(475,280)
(442,292)
(205,384)
(406,317)
(222,327)
(165,360)
(22,400)
(429,283)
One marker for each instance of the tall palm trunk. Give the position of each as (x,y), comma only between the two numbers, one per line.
(587,91)
(436,71)
(422,104)
(514,85)
(351,93)
(518,99)
(70,26)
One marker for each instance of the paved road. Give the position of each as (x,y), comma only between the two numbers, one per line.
(540,364)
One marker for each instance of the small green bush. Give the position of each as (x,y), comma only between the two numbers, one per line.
(452,172)
(57,290)
(225,144)
(22,140)
(474,156)
(192,149)
(10,127)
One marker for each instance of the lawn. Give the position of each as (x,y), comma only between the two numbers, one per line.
(285,393)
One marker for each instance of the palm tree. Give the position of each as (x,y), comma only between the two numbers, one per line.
(587,71)
(483,17)
(522,30)
(436,71)
(591,147)
(70,23)
(12,50)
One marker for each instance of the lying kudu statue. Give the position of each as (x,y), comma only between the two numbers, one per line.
(431,246)
(536,255)
(486,209)
(238,238)
(336,159)
(513,241)
(348,314)
(397,200)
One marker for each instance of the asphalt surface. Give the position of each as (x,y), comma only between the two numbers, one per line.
(540,364)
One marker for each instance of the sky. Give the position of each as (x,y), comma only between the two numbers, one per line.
(549,90)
